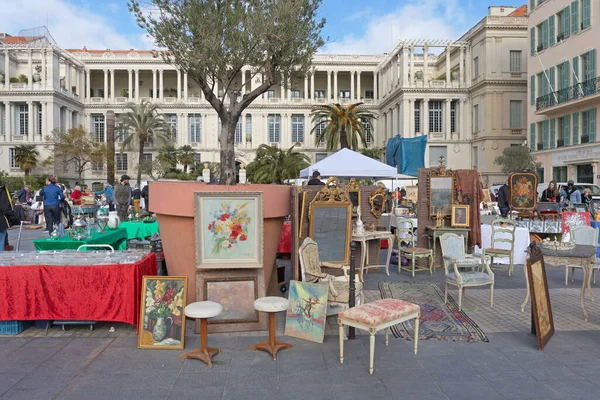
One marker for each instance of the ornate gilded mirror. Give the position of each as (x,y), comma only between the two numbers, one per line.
(330,223)
(354,195)
(441,189)
(378,202)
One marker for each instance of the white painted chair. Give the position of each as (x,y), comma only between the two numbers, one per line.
(451,249)
(585,235)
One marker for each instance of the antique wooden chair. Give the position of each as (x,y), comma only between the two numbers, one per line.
(405,235)
(339,286)
(503,231)
(453,250)
(585,235)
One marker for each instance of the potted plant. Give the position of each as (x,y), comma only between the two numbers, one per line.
(38,73)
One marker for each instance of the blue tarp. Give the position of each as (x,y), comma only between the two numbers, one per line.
(391,150)
(408,155)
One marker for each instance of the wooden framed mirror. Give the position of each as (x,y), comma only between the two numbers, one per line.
(330,223)
(441,189)
(354,196)
(378,202)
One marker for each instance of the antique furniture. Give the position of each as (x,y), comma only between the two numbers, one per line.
(454,255)
(582,255)
(354,195)
(434,233)
(330,223)
(405,234)
(339,290)
(363,239)
(377,202)
(441,189)
(585,235)
(203,310)
(523,197)
(375,316)
(503,231)
(271,305)
(522,240)
(548,209)
(541,310)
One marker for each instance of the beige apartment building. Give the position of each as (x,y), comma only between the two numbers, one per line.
(466,103)
(564,89)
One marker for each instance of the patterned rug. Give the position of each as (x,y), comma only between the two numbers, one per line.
(438,320)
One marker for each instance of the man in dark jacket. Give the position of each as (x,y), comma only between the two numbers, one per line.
(122,197)
(6,212)
(24,195)
(316,179)
(503,197)
(146,196)
(53,195)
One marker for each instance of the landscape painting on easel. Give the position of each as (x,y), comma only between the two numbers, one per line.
(305,318)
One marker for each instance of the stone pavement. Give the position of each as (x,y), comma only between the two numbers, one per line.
(80,363)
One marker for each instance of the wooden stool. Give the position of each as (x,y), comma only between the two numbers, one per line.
(203,310)
(271,305)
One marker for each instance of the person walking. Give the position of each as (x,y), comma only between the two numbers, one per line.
(53,195)
(146,195)
(6,211)
(136,194)
(122,197)
(108,193)
(24,196)
(316,179)
(503,196)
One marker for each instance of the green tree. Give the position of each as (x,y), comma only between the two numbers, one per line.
(186,157)
(341,126)
(26,155)
(142,124)
(517,158)
(77,149)
(167,157)
(373,153)
(212,40)
(273,164)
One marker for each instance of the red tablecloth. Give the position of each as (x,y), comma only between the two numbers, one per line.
(74,293)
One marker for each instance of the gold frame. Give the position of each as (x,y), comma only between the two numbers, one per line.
(457,207)
(354,187)
(440,172)
(145,279)
(378,193)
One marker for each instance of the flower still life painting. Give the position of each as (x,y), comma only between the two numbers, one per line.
(162,321)
(307,312)
(229,230)
(523,186)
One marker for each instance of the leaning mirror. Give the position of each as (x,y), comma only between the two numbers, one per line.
(378,202)
(440,194)
(354,195)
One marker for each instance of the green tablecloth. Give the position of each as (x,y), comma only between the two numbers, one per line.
(139,230)
(117,239)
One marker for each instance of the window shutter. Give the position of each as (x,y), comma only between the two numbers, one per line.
(545,78)
(575,70)
(531,5)
(544,38)
(585,13)
(532,136)
(575,128)
(545,134)
(592,128)
(566,130)
(552,81)
(592,61)
(532,40)
(532,89)
(552,134)
(566,74)
(565,22)
(575,16)
(552,34)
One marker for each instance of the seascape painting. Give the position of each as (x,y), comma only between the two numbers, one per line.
(307,312)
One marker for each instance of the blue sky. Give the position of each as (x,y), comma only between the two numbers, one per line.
(353,26)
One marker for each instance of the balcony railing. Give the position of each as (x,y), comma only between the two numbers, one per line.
(560,37)
(578,91)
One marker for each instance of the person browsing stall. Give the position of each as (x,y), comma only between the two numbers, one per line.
(24,195)
(551,193)
(122,197)
(108,193)
(503,196)
(53,195)
(571,194)
(76,195)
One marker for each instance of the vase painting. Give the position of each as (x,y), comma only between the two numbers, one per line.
(163,302)
(229,230)
(523,187)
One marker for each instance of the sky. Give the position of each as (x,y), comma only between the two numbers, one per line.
(353,26)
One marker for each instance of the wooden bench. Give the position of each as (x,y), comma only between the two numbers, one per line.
(377,315)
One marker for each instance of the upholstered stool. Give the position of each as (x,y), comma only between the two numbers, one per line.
(271,305)
(377,315)
(203,310)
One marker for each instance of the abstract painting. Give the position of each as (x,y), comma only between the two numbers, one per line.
(229,230)
(307,312)
(162,321)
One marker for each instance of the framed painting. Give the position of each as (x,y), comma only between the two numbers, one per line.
(487,197)
(236,291)
(594,207)
(354,195)
(460,216)
(412,193)
(580,207)
(229,230)
(573,219)
(523,187)
(307,312)
(162,321)
(441,194)
(540,299)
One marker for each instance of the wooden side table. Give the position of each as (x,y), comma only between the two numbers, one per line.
(203,310)
(271,305)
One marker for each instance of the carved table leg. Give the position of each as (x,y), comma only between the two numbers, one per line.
(271,346)
(204,353)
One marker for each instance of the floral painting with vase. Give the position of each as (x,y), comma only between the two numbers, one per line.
(162,321)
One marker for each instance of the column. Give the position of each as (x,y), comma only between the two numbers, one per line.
(243,81)
(305,87)
(468,66)
(43,74)
(405,72)
(425,61)
(461,67)
(161,88)
(375,88)
(335,86)
(68,72)
(29,70)
(329,96)
(281,88)
(312,84)
(352,86)
(398,119)
(216,88)
(425,127)
(86,122)
(6,70)
(408,117)
(394,122)
(448,132)
(462,118)
(69,116)
(358,91)
(87,83)
(185,86)
(31,118)
(179,84)
(153,84)
(411,79)
(130,85)
(105,85)
(112,84)
(136,85)
(448,78)
(44,127)
(81,87)
(289,90)
(8,119)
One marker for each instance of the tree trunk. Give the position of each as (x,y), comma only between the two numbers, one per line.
(26,172)
(343,139)
(139,169)
(227,151)
(185,168)
(110,147)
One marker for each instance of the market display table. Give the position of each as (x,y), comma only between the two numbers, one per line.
(110,292)
(116,238)
(585,256)
(365,237)
(140,230)
(520,244)
(433,233)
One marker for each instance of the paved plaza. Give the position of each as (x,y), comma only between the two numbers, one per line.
(83,364)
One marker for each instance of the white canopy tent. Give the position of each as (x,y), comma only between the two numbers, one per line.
(348,163)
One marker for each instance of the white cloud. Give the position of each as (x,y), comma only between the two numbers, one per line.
(70,25)
(359,14)
(425,19)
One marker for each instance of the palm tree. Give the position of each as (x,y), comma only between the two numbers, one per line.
(372,152)
(185,156)
(26,155)
(274,165)
(343,125)
(142,124)
(167,156)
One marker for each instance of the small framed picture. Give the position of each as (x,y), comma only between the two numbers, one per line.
(460,216)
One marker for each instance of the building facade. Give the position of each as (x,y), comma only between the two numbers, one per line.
(564,89)
(463,102)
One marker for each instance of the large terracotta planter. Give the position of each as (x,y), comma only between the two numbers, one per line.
(173,203)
